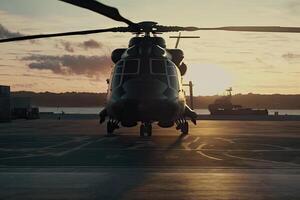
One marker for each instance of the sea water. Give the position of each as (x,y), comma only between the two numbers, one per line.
(96,110)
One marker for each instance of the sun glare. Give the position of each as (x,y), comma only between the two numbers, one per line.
(208,79)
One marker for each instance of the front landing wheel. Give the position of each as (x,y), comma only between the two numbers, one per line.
(149,129)
(142,130)
(110,128)
(146,129)
(185,128)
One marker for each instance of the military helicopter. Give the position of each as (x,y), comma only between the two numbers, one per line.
(146,82)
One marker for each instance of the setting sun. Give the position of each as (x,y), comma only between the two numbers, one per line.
(209,79)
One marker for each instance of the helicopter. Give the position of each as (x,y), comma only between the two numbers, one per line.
(146,84)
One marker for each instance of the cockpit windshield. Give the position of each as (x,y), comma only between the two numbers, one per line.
(158,67)
(161,69)
(125,70)
(165,71)
(131,67)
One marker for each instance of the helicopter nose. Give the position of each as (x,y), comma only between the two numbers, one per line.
(146,100)
(130,111)
(150,110)
(157,109)
(140,89)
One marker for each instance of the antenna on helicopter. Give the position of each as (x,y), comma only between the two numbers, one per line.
(179,37)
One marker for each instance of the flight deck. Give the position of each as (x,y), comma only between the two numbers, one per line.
(73,159)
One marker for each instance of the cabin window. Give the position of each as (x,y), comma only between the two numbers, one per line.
(171,71)
(169,63)
(172,75)
(119,70)
(131,66)
(158,66)
(173,80)
(116,81)
(119,67)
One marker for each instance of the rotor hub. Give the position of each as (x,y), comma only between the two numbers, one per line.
(147,27)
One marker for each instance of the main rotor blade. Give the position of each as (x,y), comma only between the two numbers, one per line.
(274,29)
(31,37)
(100,8)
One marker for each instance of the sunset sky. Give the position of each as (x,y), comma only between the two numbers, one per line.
(249,62)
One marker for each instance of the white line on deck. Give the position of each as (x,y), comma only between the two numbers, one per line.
(261,160)
(77,148)
(224,139)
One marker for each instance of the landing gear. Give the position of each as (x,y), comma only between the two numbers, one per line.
(146,129)
(183,126)
(102,116)
(112,125)
(149,129)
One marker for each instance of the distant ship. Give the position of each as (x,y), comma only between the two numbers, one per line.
(223,106)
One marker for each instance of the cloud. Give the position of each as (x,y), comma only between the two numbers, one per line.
(5,33)
(45,77)
(91,44)
(38,76)
(265,65)
(24,86)
(291,56)
(86,45)
(272,72)
(90,66)
(295,73)
(293,6)
(68,46)
(276,86)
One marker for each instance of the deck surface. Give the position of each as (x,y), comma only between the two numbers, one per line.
(72,159)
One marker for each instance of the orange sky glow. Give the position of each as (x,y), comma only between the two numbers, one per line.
(249,62)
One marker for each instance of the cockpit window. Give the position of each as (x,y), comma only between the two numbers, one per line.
(165,71)
(158,66)
(131,66)
(124,71)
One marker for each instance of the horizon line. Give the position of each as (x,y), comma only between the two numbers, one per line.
(186,95)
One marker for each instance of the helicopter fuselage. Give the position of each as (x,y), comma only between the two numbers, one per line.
(145,85)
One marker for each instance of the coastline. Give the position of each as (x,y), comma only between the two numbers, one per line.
(54,116)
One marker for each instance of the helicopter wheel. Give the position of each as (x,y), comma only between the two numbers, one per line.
(146,129)
(142,130)
(185,128)
(109,128)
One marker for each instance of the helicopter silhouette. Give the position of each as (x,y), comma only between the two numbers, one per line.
(146,81)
